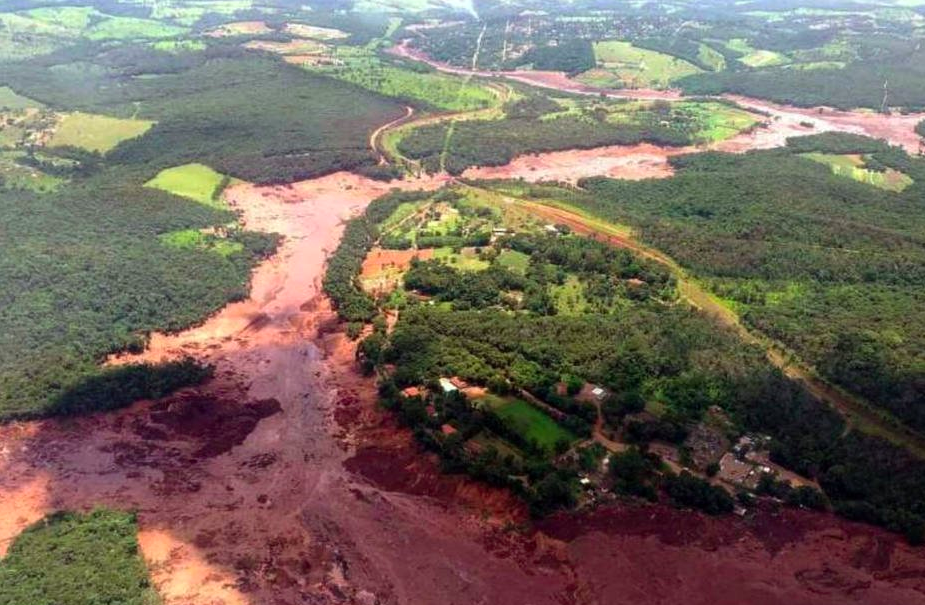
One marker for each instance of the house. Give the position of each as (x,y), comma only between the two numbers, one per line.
(448,429)
(412,392)
(448,386)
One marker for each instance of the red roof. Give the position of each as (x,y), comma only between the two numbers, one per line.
(411,392)
(448,430)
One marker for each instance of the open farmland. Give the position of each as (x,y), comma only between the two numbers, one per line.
(95,132)
(622,65)
(194,181)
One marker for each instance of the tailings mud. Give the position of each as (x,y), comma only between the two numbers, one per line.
(279,482)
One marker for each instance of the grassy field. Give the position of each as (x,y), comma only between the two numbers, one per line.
(514,261)
(192,239)
(95,132)
(852,167)
(529,422)
(194,181)
(71,559)
(179,46)
(10,100)
(128,28)
(754,57)
(466,260)
(441,91)
(570,297)
(621,63)
(706,121)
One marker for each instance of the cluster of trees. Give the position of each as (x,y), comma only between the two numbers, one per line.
(830,266)
(526,469)
(572,56)
(641,474)
(495,143)
(904,75)
(73,558)
(814,259)
(83,273)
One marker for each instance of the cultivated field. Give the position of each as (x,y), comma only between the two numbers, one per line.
(96,132)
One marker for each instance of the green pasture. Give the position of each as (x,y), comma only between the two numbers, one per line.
(95,132)
(514,261)
(194,181)
(441,91)
(569,297)
(192,239)
(465,260)
(633,67)
(853,166)
(528,421)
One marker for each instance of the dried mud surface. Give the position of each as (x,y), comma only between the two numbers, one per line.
(280,482)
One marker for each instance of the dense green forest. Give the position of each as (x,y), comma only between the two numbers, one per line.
(84,274)
(73,559)
(829,266)
(507,331)
(899,81)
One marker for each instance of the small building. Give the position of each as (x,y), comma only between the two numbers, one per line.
(448,429)
(412,392)
(551,229)
(448,386)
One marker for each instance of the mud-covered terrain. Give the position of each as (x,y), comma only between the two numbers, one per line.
(280,482)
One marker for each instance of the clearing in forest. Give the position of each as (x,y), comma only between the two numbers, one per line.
(240,28)
(9,100)
(194,181)
(853,166)
(622,65)
(529,422)
(96,132)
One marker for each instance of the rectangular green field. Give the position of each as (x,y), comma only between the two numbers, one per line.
(95,132)
(636,67)
(194,181)
(529,422)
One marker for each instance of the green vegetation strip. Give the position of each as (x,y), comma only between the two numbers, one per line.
(75,559)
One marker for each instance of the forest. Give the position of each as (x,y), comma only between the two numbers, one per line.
(247,116)
(638,346)
(59,561)
(835,273)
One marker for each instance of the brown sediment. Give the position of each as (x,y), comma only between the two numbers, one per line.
(783,120)
(280,481)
